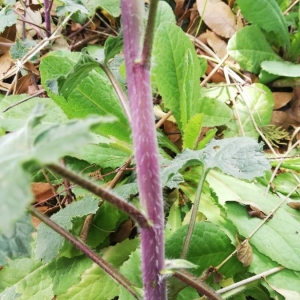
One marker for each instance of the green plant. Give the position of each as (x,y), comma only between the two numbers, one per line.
(200,235)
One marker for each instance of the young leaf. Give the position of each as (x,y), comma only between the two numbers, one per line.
(245,49)
(268,16)
(177,81)
(192,132)
(16,242)
(113,46)
(50,242)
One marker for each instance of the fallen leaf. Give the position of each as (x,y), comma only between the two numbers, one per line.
(281,99)
(218,16)
(294,205)
(245,253)
(43,191)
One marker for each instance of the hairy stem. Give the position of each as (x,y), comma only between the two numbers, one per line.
(107,195)
(188,237)
(145,143)
(110,270)
(197,284)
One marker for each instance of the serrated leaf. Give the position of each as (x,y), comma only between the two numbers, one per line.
(93,94)
(268,16)
(44,281)
(277,238)
(106,156)
(16,242)
(48,241)
(245,49)
(238,157)
(177,82)
(215,247)
(8,17)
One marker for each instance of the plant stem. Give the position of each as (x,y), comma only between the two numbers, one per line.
(197,284)
(188,238)
(145,142)
(110,270)
(132,211)
(47,9)
(246,282)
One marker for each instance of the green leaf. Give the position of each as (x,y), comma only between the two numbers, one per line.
(174,264)
(209,247)
(95,283)
(281,68)
(106,156)
(164,14)
(22,47)
(258,101)
(176,69)
(111,6)
(45,145)
(72,7)
(93,94)
(245,49)
(215,111)
(16,242)
(104,223)
(192,132)
(8,17)
(132,271)
(15,117)
(268,16)
(30,279)
(113,46)
(285,278)
(50,242)
(277,238)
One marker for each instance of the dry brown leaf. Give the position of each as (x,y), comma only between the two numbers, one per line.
(281,99)
(5,45)
(255,212)
(294,111)
(10,33)
(218,16)
(294,205)
(5,63)
(216,43)
(122,233)
(23,83)
(179,8)
(43,191)
(283,119)
(245,253)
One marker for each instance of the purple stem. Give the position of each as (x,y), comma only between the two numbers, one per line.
(145,147)
(47,10)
